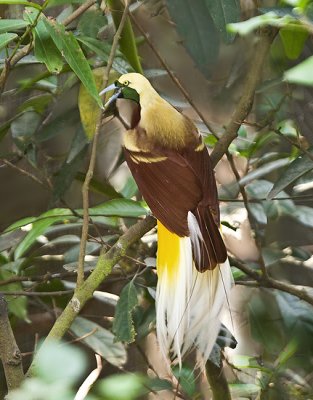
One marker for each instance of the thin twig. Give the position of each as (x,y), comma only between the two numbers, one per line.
(31,294)
(250,216)
(90,380)
(91,167)
(298,291)
(22,171)
(79,11)
(245,103)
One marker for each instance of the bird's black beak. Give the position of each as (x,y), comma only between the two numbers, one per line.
(115,96)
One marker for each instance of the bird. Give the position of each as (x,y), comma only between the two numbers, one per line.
(173,171)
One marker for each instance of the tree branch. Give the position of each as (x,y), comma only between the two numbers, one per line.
(9,352)
(217,381)
(266,36)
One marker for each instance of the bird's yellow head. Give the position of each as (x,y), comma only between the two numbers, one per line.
(129,86)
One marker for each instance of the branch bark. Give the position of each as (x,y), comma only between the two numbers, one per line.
(9,352)
(217,381)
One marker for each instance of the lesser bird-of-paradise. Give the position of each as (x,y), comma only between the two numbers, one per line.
(173,171)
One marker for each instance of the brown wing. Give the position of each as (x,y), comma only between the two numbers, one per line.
(179,183)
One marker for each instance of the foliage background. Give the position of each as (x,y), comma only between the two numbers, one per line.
(55,58)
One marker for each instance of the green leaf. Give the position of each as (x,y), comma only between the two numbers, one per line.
(239,390)
(270,18)
(56,362)
(16,305)
(186,379)
(264,170)
(102,49)
(293,39)
(102,187)
(22,2)
(120,208)
(37,103)
(197,29)
(101,341)
(157,384)
(45,49)
(301,73)
(297,168)
(39,226)
(127,39)
(123,326)
(6,38)
(9,25)
(91,22)
(122,387)
(304,215)
(67,173)
(24,127)
(130,188)
(224,12)
(71,51)
(57,126)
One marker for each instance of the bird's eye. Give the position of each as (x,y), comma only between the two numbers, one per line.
(126,83)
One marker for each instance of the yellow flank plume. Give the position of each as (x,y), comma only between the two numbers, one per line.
(168,253)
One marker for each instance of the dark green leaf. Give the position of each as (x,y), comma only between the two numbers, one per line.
(91,22)
(197,29)
(39,226)
(36,103)
(6,38)
(224,12)
(71,51)
(102,49)
(101,341)
(120,208)
(102,187)
(296,314)
(123,326)
(69,169)
(264,170)
(304,215)
(45,49)
(9,25)
(16,305)
(24,127)
(57,126)
(157,384)
(130,188)
(297,168)
(186,379)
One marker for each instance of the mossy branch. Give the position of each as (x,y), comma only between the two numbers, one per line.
(103,268)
